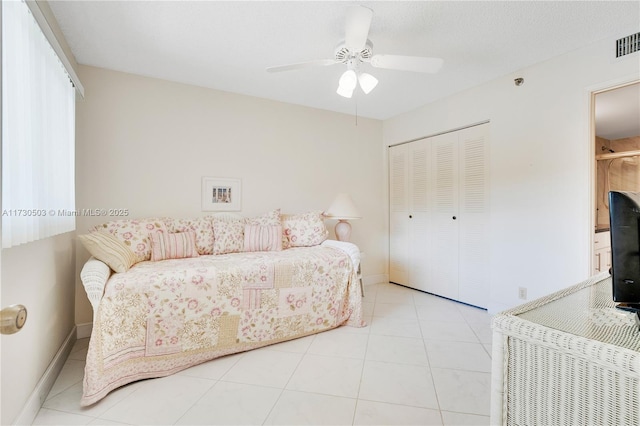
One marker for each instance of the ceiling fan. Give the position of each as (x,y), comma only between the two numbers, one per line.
(356,49)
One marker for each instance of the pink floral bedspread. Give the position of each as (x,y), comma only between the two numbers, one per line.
(162,317)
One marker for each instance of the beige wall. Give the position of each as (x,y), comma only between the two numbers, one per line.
(541,165)
(144,144)
(41,276)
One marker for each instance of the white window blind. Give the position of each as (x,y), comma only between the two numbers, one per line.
(38,133)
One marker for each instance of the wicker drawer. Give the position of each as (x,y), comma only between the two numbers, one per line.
(569,358)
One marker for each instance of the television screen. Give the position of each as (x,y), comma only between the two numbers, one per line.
(624,212)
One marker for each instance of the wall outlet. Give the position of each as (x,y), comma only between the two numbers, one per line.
(522,293)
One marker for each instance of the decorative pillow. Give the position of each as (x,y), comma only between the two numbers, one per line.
(271,218)
(228,235)
(166,245)
(262,238)
(110,250)
(134,233)
(201,226)
(304,230)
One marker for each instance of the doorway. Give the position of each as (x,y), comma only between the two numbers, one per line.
(616,120)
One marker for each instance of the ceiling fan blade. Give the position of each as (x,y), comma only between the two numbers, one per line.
(407,63)
(357,27)
(319,62)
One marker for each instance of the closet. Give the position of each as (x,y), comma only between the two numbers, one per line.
(438,215)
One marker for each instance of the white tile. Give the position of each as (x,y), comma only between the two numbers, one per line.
(103,422)
(327,375)
(69,400)
(80,344)
(395,294)
(354,330)
(425,299)
(232,404)
(381,413)
(401,350)
(301,408)
(370,293)
(459,419)
(389,287)
(475,315)
(79,350)
(367,308)
(396,327)
(483,331)
(458,355)
(72,372)
(488,348)
(394,310)
(439,311)
(159,401)
(214,369)
(448,331)
(264,368)
(367,325)
(53,417)
(300,345)
(337,343)
(463,391)
(398,383)
(79,355)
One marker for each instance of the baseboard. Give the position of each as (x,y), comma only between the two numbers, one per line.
(39,394)
(84,330)
(375,279)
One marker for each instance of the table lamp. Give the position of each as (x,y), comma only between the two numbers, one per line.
(342,209)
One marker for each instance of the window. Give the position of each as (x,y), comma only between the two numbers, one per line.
(38,133)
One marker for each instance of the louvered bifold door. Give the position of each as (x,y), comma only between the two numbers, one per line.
(398,213)
(419,182)
(473,280)
(443,248)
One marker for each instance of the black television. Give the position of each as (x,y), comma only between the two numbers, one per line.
(624,215)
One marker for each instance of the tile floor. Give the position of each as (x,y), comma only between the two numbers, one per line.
(422,360)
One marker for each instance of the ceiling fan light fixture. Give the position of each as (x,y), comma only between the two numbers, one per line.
(345,92)
(367,82)
(348,80)
(356,49)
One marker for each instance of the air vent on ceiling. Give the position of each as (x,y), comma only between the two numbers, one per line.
(627,45)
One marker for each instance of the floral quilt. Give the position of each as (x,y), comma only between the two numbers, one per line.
(162,317)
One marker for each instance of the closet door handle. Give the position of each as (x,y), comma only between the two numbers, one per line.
(454,218)
(410,216)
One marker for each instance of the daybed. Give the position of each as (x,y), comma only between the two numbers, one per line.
(189,290)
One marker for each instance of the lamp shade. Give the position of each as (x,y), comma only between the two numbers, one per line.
(367,82)
(347,83)
(348,80)
(342,208)
(344,92)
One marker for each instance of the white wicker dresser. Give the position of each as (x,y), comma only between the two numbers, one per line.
(570,358)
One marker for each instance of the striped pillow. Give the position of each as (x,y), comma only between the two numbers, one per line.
(107,248)
(262,238)
(178,245)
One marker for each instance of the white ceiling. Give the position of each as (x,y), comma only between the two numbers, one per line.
(228,45)
(617,112)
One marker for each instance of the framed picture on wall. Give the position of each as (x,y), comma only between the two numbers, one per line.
(221,194)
